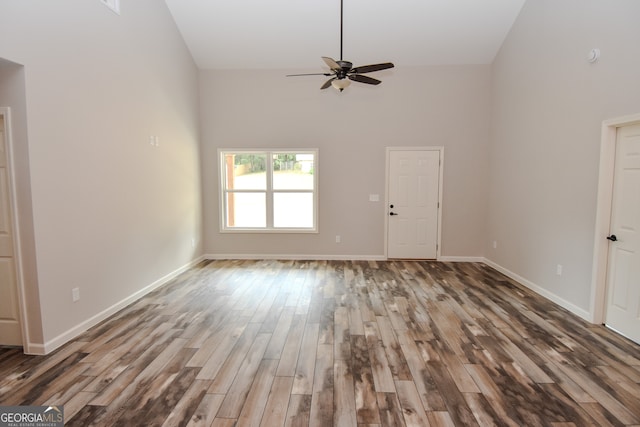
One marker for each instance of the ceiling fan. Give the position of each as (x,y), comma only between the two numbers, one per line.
(343,72)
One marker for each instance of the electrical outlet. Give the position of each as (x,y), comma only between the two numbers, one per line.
(75,294)
(338,239)
(193,243)
(559,270)
(495,244)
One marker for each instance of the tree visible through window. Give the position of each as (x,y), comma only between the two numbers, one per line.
(268,190)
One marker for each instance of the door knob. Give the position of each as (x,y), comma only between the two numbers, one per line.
(392,213)
(613,238)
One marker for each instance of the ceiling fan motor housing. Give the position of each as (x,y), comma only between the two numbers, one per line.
(345,67)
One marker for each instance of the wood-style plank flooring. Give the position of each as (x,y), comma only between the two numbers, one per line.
(343,343)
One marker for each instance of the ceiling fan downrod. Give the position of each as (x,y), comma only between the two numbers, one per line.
(341,12)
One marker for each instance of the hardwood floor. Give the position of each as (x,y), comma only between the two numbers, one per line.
(343,343)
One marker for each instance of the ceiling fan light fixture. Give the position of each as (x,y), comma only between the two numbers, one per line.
(341,84)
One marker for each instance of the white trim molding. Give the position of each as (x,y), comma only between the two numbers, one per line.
(584,314)
(462,259)
(291,257)
(51,345)
(580,312)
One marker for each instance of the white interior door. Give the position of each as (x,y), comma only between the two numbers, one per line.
(623,272)
(413,195)
(10,331)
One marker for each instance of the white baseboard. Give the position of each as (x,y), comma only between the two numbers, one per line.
(34,349)
(51,345)
(330,257)
(580,312)
(584,314)
(288,257)
(461,259)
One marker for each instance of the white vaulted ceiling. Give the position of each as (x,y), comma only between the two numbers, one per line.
(294,34)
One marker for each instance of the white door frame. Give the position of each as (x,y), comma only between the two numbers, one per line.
(6,113)
(440,149)
(603,214)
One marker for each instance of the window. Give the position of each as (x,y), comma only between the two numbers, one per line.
(273,190)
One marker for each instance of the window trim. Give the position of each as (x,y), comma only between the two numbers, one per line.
(269,191)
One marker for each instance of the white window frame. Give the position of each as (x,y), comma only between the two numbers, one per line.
(269,192)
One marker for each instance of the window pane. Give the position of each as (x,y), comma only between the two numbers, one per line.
(246,171)
(293,210)
(293,171)
(246,210)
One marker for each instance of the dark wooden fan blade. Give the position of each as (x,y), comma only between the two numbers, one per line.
(331,63)
(309,74)
(364,79)
(372,68)
(327,83)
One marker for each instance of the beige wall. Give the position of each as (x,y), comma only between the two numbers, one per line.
(437,106)
(111,213)
(547,110)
